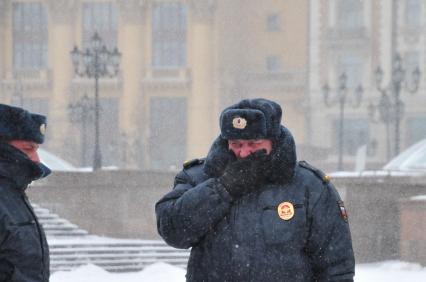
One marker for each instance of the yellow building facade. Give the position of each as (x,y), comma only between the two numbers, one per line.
(182,62)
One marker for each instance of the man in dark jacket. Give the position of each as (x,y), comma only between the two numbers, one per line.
(251,212)
(24,254)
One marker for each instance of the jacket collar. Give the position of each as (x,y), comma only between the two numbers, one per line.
(283,158)
(16,167)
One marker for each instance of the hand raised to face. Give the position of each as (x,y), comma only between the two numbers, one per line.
(245,174)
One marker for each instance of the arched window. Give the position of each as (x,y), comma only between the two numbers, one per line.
(100,17)
(30,36)
(169,35)
(412,13)
(356,133)
(349,14)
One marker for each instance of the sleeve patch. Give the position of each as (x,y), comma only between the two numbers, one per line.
(343,212)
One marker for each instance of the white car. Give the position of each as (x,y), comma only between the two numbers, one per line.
(411,162)
(54,162)
(412,159)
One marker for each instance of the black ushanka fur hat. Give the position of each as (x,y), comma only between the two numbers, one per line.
(19,124)
(251,119)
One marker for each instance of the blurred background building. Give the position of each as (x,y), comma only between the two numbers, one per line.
(355,37)
(183,61)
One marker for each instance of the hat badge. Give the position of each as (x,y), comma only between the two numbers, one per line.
(239,123)
(43,129)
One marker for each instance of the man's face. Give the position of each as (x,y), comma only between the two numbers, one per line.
(28,147)
(243,148)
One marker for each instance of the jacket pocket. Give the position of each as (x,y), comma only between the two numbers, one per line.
(25,240)
(24,223)
(279,230)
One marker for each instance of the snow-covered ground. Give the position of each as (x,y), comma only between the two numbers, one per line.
(389,271)
(158,272)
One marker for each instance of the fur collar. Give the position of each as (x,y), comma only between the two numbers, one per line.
(282,164)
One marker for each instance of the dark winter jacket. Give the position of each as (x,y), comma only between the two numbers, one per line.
(24,254)
(245,239)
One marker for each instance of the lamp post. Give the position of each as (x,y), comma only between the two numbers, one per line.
(96,61)
(341,98)
(390,106)
(82,112)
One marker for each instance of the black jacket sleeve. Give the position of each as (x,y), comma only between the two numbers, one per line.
(329,245)
(191,210)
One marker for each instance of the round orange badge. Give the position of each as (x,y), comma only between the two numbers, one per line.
(285,210)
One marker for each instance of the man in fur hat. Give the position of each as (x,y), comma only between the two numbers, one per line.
(251,212)
(24,254)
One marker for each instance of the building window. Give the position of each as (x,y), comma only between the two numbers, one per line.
(349,14)
(416,130)
(412,13)
(351,65)
(29,36)
(273,22)
(355,134)
(411,62)
(273,64)
(169,35)
(167,148)
(100,17)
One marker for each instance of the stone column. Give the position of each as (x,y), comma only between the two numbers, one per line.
(202,116)
(61,41)
(131,45)
(4,8)
(3,14)
(6,53)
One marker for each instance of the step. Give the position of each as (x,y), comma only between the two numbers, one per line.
(73,263)
(116,269)
(71,247)
(117,261)
(114,246)
(47,215)
(93,242)
(60,227)
(58,223)
(68,232)
(96,255)
(93,252)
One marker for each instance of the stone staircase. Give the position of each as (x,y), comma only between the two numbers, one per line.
(71,247)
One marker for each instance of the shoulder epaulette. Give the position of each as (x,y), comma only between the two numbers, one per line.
(320,174)
(191,163)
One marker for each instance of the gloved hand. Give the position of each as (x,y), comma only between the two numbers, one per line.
(218,157)
(244,175)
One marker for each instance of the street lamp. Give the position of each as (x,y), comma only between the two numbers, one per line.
(82,112)
(96,62)
(341,98)
(390,106)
